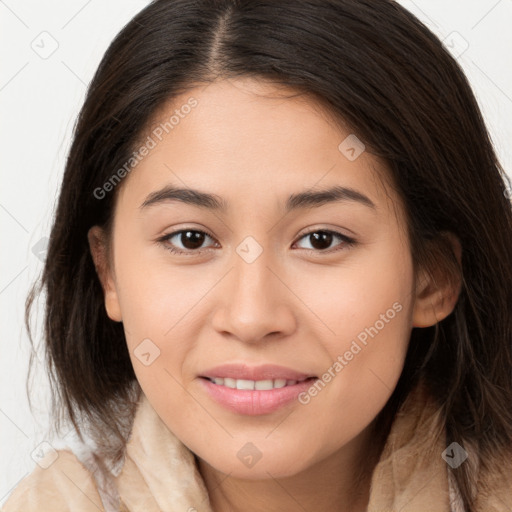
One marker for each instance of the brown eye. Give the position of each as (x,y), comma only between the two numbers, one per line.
(192,239)
(185,240)
(321,240)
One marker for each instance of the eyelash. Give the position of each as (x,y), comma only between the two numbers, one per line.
(347,241)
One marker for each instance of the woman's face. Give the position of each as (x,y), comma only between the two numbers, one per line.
(289,282)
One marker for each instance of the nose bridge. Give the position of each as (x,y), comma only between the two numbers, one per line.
(252,276)
(257,303)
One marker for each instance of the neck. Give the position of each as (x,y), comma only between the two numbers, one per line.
(340,482)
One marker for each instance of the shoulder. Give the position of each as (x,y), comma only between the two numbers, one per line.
(59,483)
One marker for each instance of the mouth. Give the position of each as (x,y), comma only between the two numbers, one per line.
(255,397)
(254,390)
(258,385)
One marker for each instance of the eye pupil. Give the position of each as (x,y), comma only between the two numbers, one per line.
(321,239)
(192,239)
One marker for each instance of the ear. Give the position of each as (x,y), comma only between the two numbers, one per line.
(437,292)
(99,252)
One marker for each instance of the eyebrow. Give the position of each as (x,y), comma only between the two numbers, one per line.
(306,199)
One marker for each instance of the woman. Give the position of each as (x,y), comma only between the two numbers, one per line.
(279,276)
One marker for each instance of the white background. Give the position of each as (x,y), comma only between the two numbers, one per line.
(39,100)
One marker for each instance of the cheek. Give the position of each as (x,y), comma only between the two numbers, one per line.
(155,296)
(368,314)
(157,305)
(368,296)
(374,307)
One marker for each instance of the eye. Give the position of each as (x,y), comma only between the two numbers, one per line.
(321,240)
(190,239)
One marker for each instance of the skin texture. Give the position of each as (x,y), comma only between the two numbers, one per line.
(295,305)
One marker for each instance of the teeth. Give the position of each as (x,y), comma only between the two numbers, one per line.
(261,385)
(279,383)
(230,383)
(244,384)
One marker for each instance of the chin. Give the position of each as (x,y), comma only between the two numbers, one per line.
(250,464)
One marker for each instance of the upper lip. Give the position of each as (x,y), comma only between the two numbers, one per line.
(262,372)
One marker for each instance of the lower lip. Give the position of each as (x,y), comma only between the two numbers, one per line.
(255,402)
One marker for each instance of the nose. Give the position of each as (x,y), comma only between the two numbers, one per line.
(256,302)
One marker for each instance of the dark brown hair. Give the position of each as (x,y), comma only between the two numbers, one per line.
(382,72)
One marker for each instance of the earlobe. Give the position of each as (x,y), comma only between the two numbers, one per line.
(98,247)
(437,292)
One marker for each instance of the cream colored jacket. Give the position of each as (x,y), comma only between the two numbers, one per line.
(159,474)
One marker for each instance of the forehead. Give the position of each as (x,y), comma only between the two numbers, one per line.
(251,140)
